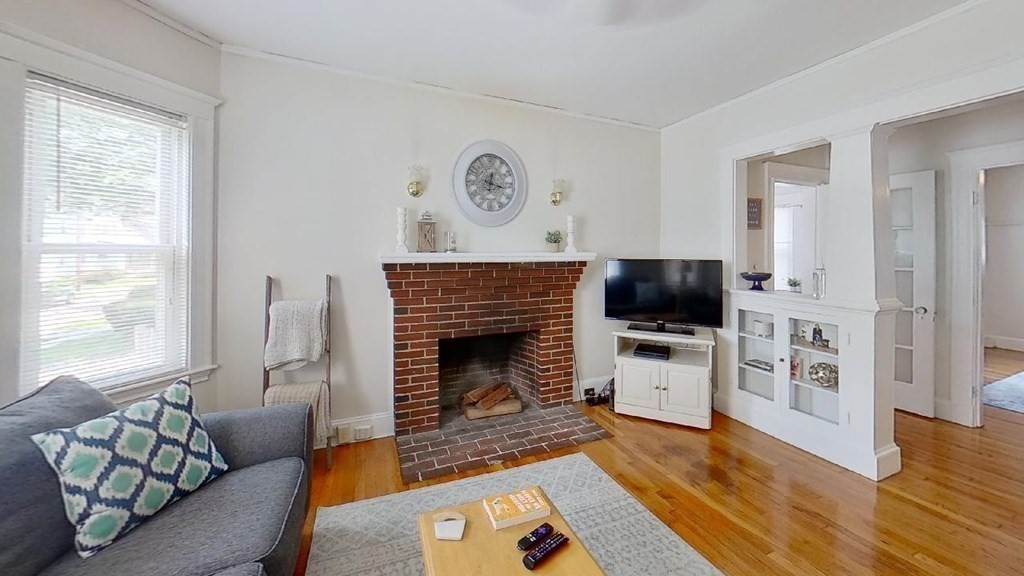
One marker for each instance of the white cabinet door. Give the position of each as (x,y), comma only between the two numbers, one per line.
(685,391)
(638,384)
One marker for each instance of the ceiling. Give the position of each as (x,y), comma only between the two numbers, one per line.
(648,62)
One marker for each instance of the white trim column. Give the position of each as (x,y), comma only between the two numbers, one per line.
(12,116)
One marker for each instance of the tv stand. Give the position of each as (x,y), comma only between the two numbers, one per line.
(662,327)
(675,389)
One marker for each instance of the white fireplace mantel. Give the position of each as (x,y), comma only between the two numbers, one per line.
(485,257)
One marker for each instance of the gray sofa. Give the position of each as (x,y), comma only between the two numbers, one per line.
(247,522)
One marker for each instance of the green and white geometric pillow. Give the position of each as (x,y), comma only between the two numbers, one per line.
(118,470)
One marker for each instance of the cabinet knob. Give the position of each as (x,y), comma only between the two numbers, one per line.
(783,360)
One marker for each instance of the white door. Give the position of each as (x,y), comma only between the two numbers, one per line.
(913,223)
(684,391)
(638,384)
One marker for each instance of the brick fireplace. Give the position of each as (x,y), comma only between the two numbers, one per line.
(436,301)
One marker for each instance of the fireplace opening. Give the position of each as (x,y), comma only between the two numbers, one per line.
(485,376)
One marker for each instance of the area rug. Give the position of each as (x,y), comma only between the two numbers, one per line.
(379,537)
(1007,393)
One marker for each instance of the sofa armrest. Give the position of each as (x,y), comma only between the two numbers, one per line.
(257,435)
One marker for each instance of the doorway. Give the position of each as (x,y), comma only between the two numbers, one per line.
(1002,321)
(966,148)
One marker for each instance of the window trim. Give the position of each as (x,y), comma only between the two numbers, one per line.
(22,53)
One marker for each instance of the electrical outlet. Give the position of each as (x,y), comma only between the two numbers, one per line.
(343,433)
(363,432)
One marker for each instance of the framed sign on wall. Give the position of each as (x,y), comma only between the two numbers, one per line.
(754,206)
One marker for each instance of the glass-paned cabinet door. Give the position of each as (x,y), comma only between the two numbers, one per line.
(757,353)
(814,368)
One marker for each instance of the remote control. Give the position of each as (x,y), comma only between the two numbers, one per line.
(546,549)
(538,535)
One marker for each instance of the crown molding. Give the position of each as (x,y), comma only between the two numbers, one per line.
(177,25)
(512,103)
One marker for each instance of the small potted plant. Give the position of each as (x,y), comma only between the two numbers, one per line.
(554,240)
(794,284)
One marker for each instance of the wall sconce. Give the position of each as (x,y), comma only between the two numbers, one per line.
(558,187)
(415,186)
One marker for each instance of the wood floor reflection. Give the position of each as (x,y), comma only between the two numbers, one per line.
(755,506)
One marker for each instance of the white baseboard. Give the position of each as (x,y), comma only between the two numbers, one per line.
(597,383)
(381,425)
(1005,342)
(888,461)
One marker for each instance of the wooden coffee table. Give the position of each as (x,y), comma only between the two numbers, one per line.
(484,550)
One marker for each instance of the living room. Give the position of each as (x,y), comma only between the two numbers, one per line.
(179,176)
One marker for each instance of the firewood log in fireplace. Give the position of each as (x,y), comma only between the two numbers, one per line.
(494,399)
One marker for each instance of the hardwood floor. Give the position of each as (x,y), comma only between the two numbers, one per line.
(1001,363)
(755,506)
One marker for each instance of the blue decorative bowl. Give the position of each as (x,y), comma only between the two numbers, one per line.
(756,278)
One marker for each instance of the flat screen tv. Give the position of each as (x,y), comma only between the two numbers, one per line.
(664,292)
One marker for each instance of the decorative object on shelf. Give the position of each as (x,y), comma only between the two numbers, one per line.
(570,234)
(760,364)
(796,367)
(449,242)
(754,206)
(763,329)
(794,285)
(824,374)
(826,343)
(489,182)
(553,239)
(426,233)
(756,278)
(415,186)
(819,283)
(817,335)
(558,188)
(402,224)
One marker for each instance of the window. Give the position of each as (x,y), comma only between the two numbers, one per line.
(105,238)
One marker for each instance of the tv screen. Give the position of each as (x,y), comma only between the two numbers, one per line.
(687,292)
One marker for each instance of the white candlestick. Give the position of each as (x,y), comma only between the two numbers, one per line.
(402,225)
(570,234)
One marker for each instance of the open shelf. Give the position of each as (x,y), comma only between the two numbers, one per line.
(799,344)
(753,336)
(756,369)
(818,387)
(806,396)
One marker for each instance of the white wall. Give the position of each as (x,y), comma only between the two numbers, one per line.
(925,146)
(113,30)
(1003,300)
(312,166)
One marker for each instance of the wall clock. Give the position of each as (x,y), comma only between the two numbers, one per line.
(489,183)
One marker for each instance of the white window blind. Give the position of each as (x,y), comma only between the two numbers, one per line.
(106,238)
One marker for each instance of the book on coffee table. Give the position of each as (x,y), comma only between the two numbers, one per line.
(514,508)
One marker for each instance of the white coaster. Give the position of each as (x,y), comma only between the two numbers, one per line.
(449,525)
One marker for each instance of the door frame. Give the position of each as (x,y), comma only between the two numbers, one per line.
(967,208)
(789,174)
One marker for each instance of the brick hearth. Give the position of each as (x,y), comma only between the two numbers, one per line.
(463,445)
(435,301)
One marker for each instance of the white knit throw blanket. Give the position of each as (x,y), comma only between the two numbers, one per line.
(312,393)
(298,334)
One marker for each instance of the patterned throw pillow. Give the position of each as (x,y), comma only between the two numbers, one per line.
(118,470)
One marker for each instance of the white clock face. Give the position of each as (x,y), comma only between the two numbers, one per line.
(489,183)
